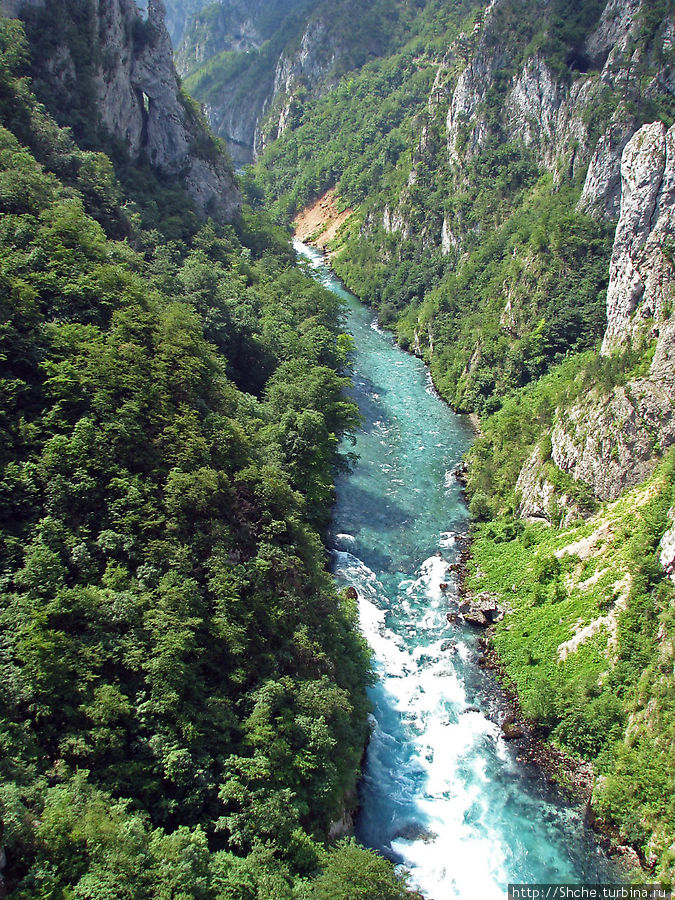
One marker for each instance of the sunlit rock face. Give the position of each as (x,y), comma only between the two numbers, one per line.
(614,441)
(641,271)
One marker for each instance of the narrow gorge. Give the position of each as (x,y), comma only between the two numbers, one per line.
(296,587)
(444,793)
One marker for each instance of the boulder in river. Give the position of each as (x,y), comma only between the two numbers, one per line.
(352,593)
(511,730)
(443,585)
(452,618)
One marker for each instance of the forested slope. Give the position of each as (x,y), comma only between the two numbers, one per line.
(483,163)
(183,709)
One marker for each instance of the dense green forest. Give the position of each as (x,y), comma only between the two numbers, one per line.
(183,705)
(479,257)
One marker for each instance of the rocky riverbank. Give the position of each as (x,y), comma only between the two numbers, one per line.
(574,776)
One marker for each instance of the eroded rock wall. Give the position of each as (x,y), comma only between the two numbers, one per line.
(140,101)
(613,441)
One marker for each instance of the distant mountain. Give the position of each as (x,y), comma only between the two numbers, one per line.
(178,14)
(252,63)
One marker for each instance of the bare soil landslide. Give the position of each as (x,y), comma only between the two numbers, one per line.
(319,223)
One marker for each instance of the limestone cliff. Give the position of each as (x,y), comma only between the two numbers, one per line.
(235,26)
(552,112)
(136,97)
(178,14)
(667,549)
(273,51)
(640,293)
(613,441)
(254,64)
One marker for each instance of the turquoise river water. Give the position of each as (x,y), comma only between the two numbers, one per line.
(442,792)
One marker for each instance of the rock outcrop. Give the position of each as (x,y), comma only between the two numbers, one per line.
(601,194)
(667,549)
(546,112)
(614,442)
(553,115)
(307,66)
(641,270)
(138,100)
(539,498)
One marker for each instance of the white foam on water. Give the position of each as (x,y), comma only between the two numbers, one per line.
(456,855)
(429,387)
(314,257)
(460,855)
(464,651)
(448,539)
(449,480)
(431,761)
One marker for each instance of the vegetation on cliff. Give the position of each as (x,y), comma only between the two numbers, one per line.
(475,238)
(183,705)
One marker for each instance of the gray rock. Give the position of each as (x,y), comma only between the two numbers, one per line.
(140,102)
(641,276)
(481,610)
(538,496)
(601,195)
(611,442)
(415,831)
(614,441)
(511,731)
(614,30)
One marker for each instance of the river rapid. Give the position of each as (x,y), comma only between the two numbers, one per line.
(442,792)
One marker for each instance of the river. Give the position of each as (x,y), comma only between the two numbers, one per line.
(442,792)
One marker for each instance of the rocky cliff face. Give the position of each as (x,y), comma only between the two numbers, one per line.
(271,56)
(254,64)
(178,14)
(614,441)
(266,90)
(667,549)
(140,102)
(552,113)
(229,26)
(306,67)
(12,8)
(137,98)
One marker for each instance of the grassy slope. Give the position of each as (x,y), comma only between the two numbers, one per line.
(589,647)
